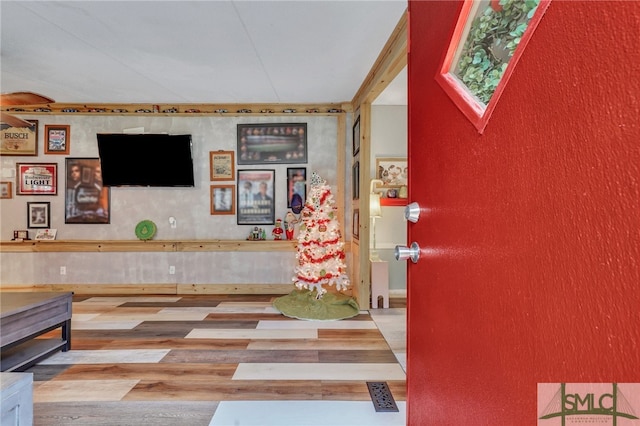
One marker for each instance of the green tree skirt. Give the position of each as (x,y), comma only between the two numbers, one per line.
(302,304)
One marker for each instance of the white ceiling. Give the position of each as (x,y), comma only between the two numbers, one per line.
(226,51)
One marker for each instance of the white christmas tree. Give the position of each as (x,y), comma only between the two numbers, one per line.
(320,248)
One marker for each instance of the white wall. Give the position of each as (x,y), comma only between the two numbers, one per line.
(190,206)
(389,139)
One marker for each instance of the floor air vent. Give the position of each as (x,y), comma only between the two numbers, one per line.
(381,396)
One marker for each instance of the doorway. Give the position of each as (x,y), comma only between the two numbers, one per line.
(389,123)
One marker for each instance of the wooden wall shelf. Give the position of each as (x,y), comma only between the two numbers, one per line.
(39,246)
(190,110)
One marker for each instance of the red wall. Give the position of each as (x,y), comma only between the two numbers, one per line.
(534,226)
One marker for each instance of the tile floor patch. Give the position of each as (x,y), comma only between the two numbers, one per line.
(315,371)
(307,413)
(106,356)
(381,396)
(328,325)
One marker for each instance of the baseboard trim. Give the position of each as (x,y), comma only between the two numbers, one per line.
(398,293)
(101,289)
(234,288)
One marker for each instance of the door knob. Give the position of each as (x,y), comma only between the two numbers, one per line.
(404,252)
(412,212)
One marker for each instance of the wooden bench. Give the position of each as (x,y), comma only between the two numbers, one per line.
(25,316)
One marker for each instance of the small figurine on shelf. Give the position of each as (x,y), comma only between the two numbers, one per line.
(277,230)
(289,223)
(254,235)
(263,235)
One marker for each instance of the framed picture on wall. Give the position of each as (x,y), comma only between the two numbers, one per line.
(356,224)
(57,139)
(38,215)
(20,140)
(355,180)
(275,143)
(223,199)
(37,178)
(6,190)
(86,199)
(296,184)
(256,196)
(356,136)
(392,171)
(222,165)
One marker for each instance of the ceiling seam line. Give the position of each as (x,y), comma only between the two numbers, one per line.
(246,31)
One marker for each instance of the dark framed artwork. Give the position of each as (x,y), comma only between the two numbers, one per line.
(487,42)
(296,183)
(86,199)
(20,140)
(356,136)
(275,143)
(57,139)
(39,214)
(37,178)
(256,197)
(223,199)
(222,165)
(355,180)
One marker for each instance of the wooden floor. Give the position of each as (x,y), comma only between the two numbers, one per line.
(171,360)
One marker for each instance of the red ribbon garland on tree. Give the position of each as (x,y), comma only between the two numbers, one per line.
(340,255)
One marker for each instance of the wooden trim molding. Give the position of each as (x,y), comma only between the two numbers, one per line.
(391,60)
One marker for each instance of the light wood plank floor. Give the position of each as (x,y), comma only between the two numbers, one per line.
(171,360)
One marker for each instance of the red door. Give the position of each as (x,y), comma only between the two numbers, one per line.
(530,232)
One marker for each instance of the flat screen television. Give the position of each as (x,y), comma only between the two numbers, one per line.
(145,159)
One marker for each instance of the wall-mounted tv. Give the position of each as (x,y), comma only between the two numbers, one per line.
(145,159)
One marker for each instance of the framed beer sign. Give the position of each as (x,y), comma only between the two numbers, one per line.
(19,140)
(37,178)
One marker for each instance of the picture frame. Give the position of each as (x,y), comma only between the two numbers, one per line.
(21,141)
(36,178)
(356,136)
(222,165)
(6,189)
(46,234)
(223,199)
(20,235)
(87,200)
(57,139)
(274,143)
(296,184)
(256,197)
(392,171)
(356,224)
(38,214)
(478,63)
(355,180)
